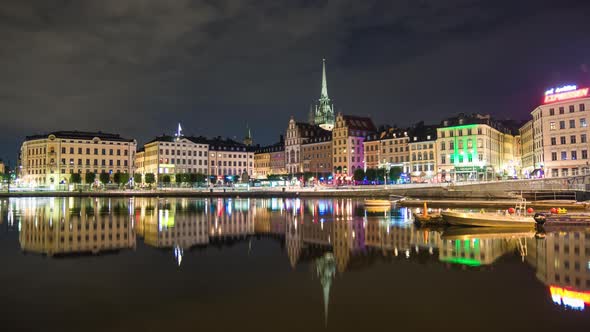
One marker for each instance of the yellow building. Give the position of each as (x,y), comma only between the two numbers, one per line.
(371,147)
(269,160)
(50,159)
(422,144)
(527,149)
(348,136)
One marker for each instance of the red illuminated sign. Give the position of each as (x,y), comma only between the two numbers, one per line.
(551,98)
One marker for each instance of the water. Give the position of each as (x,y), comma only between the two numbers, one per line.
(71,264)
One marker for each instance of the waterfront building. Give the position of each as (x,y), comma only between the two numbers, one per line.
(317,156)
(388,148)
(51,158)
(371,148)
(297,134)
(173,155)
(474,147)
(2,167)
(527,149)
(560,127)
(270,160)
(348,136)
(422,144)
(230,158)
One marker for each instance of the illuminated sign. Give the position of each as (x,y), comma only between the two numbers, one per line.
(564,88)
(553,97)
(569,298)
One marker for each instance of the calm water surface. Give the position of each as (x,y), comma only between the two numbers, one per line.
(71,264)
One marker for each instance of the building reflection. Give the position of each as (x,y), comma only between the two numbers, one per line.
(331,236)
(63,226)
(562,262)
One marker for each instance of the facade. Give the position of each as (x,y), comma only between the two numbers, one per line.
(230,158)
(51,158)
(527,150)
(277,159)
(394,149)
(422,144)
(348,136)
(297,134)
(173,155)
(474,147)
(560,126)
(2,167)
(371,147)
(270,160)
(317,155)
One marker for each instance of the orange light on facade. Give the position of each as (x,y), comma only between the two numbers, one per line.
(551,98)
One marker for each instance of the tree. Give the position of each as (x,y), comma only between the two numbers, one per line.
(371,174)
(380,174)
(166,178)
(121,178)
(197,178)
(104,177)
(150,178)
(395,173)
(75,178)
(137,177)
(89,178)
(359,174)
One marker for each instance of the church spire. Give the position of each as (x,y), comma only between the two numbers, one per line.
(324,93)
(248,139)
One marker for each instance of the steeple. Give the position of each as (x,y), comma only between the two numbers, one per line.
(324,93)
(324,112)
(248,139)
(326,269)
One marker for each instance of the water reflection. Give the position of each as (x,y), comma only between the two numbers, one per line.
(333,236)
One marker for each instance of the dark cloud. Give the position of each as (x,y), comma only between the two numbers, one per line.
(139,66)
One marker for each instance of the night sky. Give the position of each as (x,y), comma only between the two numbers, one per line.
(138,67)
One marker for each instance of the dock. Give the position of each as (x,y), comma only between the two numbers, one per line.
(495,204)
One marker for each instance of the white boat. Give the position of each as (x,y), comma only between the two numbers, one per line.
(478,219)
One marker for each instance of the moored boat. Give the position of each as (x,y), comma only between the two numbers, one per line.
(479,219)
(377,202)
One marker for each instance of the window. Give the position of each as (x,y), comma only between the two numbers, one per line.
(72,150)
(583,123)
(553,141)
(582,107)
(561,124)
(583,138)
(451,145)
(572,109)
(563,155)
(552,111)
(574,155)
(63,150)
(584,154)
(479,131)
(452,159)
(443,159)
(442,146)
(561,110)
(572,123)
(573,139)
(552,126)
(562,139)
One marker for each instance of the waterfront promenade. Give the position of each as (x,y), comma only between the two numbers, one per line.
(466,190)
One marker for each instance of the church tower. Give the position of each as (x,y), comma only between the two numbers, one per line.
(324,111)
(248,139)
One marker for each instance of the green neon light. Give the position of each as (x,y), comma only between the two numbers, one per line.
(461,261)
(459,127)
